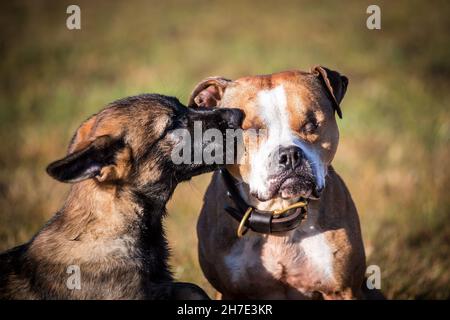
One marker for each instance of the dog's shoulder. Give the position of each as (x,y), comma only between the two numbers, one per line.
(11,258)
(11,266)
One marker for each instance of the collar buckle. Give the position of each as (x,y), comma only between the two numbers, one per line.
(240,230)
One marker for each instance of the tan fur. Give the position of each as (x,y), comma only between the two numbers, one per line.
(119,170)
(111,223)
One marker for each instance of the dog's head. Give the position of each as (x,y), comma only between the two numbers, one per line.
(297,134)
(131,142)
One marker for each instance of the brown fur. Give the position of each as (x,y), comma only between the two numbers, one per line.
(283,266)
(111,223)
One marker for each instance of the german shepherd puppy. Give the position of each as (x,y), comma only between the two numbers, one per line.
(108,241)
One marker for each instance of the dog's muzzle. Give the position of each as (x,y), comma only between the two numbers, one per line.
(291,174)
(261,221)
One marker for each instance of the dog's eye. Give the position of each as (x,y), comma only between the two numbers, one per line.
(309,127)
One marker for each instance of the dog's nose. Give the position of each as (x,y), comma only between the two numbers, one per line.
(233,117)
(290,157)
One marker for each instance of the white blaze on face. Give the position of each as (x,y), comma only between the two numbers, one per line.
(272,107)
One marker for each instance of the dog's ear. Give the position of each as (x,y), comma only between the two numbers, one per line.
(81,138)
(105,158)
(335,83)
(208,92)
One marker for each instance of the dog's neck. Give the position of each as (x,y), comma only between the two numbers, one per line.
(107,223)
(102,202)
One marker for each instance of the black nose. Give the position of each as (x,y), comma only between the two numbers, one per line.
(233,117)
(290,157)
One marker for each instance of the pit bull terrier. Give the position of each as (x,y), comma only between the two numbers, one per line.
(281,225)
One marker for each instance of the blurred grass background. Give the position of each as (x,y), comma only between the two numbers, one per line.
(394,148)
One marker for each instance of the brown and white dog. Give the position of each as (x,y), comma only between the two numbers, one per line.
(324,256)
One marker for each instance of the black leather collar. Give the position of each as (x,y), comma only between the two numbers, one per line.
(260,221)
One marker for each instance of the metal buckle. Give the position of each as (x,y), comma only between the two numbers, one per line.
(240,230)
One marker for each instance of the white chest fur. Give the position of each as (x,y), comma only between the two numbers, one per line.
(303,259)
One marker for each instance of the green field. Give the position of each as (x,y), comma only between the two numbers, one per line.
(394,134)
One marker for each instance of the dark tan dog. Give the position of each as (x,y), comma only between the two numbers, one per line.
(283,255)
(110,229)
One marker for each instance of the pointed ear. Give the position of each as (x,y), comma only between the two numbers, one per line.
(335,83)
(208,92)
(94,160)
(82,137)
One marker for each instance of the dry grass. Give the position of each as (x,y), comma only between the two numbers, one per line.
(394,136)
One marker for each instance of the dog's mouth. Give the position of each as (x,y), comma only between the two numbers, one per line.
(294,187)
(290,186)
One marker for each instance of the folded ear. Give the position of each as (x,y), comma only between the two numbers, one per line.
(208,92)
(335,83)
(104,158)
